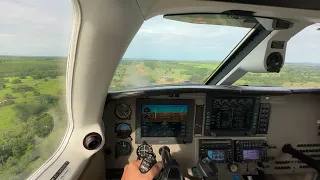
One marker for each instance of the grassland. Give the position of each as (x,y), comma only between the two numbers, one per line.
(32,116)
(135,73)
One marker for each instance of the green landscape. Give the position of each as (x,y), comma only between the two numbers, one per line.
(32,99)
(140,73)
(32,113)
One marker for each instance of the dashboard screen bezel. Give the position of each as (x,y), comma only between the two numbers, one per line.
(231,132)
(166,140)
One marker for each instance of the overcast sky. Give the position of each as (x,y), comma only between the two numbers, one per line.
(43,28)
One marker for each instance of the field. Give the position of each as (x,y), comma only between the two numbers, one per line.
(140,73)
(292,75)
(32,99)
(32,116)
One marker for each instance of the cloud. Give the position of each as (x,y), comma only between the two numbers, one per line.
(160,38)
(35,27)
(43,28)
(6,35)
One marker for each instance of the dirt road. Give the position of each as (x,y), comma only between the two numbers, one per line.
(141,71)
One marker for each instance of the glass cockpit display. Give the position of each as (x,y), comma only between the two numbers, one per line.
(163,120)
(216,155)
(251,154)
(232,113)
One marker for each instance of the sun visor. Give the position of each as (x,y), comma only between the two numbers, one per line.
(230,19)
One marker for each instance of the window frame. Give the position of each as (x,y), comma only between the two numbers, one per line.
(76,23)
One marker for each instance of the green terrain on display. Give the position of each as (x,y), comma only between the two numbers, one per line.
(32,99)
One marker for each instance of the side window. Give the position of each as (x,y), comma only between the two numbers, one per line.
(34,42)
(302,66)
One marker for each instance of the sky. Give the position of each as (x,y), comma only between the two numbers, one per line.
(43,28)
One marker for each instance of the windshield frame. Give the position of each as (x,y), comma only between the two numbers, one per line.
(245,46)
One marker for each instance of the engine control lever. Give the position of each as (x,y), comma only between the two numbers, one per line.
(171,169)
(287,148)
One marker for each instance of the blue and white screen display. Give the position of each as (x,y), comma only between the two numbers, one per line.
(216,155)
(251,154)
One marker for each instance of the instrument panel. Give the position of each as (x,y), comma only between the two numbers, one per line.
(241,133)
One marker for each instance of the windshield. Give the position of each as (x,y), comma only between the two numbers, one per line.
(171,52)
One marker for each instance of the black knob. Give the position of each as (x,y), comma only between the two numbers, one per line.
(164,148)
(260,164)
(233,167)
(286,147)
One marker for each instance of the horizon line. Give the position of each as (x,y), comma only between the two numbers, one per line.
(30,56)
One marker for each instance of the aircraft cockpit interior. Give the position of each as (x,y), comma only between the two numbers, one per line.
(212,89)
(217,131)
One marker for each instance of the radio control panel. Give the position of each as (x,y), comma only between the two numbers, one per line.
(220,151)
(250,150)
(227,150)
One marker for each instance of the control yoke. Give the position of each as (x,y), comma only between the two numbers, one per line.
(171,169)
(287,148)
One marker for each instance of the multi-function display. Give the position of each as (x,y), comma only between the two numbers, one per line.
(238,115)
(163,120)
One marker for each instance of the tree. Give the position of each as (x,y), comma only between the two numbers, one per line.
(3,86)
(36,93)
(38,76)
(8,102)
(22,88)
(43,125)
(195,78)
(24,94)
(16,81)
(151,80)
(47,99)
(150,64)
(26,110)
(8,96)
(170,79)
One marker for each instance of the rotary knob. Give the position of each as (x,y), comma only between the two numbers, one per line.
(233,167)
